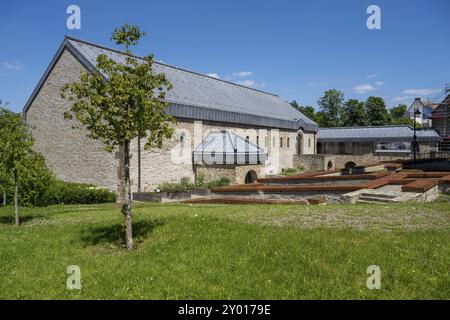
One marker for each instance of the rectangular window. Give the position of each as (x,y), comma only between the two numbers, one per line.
(281,142)
(287,142)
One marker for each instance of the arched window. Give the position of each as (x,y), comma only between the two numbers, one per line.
(287,142)
(251,177)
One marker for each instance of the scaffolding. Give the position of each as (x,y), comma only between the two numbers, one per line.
(440,118)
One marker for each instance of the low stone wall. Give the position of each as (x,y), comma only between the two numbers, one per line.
(236,173)
(330,196)
(317,162)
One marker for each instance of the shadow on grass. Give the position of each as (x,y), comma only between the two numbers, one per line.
(22,219)
(115,235)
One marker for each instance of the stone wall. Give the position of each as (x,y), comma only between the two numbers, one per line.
(68,152)
(330,196)
(212,172)
(236,173)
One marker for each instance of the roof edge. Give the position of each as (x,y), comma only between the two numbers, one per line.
(64,45)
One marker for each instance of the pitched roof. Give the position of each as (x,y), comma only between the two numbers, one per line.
(375,133)
(200,97)
(226,147)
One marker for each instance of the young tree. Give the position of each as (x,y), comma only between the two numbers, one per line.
(377,113)
(15,147)
(331,105)
(354,113)
(120,102)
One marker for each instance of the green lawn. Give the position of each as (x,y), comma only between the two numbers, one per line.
(228,252)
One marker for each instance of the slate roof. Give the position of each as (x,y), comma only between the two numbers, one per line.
(200,97)
(226,147)
(375,133)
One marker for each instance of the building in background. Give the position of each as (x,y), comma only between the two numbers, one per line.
(441,121)
(425,110)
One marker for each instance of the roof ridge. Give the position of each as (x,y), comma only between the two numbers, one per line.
(166,65)
(365,127)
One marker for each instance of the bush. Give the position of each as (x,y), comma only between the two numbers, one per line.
(185,184)
(291,171)
(34,180)
(221,182)
(182,186)
(61,192)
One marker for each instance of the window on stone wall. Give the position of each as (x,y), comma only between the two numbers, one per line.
(309,143)
(287,142)
(281,142)
(182,140)
(257,141)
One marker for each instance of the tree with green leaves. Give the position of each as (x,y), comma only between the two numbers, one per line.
(331,106)
(306,110)
(399,116)
(354,113)
(377,113)
(117,103)
(15,147)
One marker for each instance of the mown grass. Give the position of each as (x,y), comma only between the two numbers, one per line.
(228,252)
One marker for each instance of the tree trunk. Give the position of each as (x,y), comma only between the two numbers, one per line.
(16,199)
(127,198)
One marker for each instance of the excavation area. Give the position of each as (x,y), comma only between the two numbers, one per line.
(377,183)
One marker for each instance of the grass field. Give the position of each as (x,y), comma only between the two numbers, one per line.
(228,252)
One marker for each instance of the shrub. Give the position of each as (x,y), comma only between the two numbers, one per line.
(292,171)
(185,184)
(61,192)
(221,182)
(34,180)
(182,186)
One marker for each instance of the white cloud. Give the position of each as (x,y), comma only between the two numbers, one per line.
(372,76)
(420,92)
(378,83)
(403,98)
(247,83)
(364,88)
(14,66)
(213,75)
(243,74)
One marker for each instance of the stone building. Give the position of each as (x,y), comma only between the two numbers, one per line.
(267,131)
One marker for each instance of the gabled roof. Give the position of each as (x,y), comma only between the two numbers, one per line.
(200,97)
(416,105)
(375,133)
(226,147)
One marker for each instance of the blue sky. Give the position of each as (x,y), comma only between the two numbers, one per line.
(296,49)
